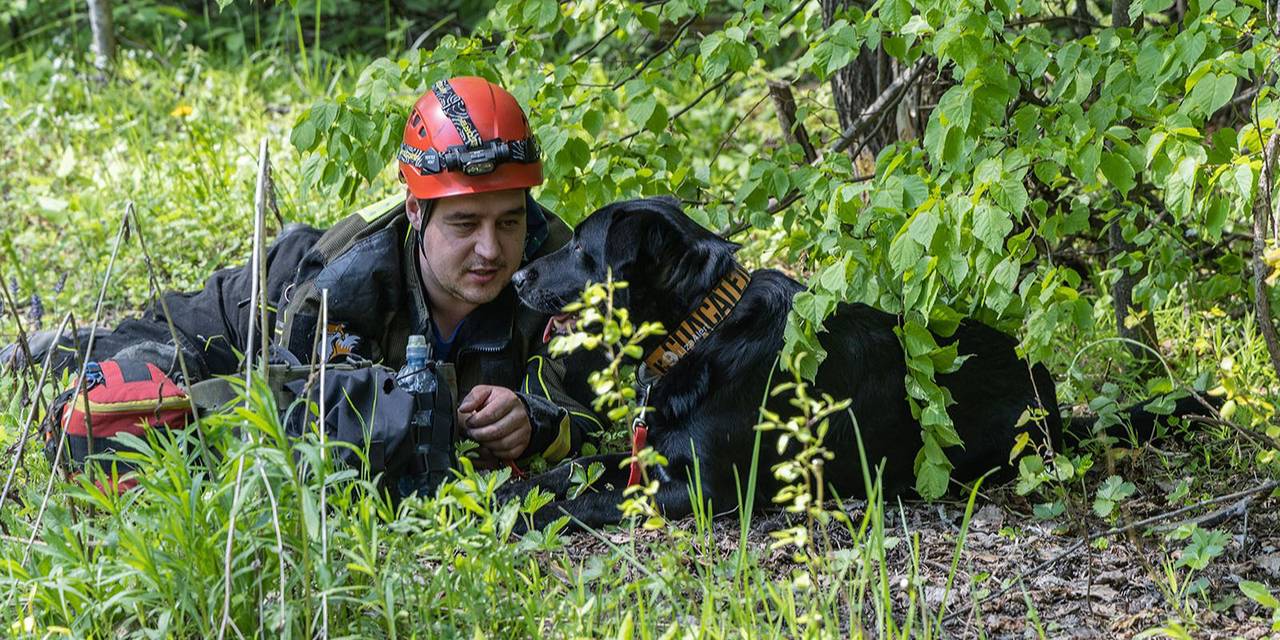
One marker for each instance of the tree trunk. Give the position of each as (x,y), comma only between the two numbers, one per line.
(104,36)
(858,84)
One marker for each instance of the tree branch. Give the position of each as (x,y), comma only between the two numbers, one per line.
(785,103)
(1262,212)
(654,56)
(681,112)
(887,100)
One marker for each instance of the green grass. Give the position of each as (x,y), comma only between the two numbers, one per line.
(180,142)
(153,563)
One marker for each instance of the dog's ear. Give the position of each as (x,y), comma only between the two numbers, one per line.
(655,235)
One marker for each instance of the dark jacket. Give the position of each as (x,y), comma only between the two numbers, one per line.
(376,301)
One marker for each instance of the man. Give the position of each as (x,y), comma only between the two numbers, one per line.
(437,262)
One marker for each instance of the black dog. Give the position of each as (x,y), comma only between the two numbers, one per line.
(707,401)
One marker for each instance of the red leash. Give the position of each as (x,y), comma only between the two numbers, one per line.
(639,435)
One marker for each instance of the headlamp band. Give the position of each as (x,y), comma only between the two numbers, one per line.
(473,162)
(456,110)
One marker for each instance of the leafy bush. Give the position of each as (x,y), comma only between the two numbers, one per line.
(1052,136)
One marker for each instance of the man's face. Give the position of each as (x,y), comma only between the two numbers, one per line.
(471,245)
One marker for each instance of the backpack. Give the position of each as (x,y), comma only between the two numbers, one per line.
(119,396)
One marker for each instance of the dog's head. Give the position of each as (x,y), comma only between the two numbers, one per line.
(667,259)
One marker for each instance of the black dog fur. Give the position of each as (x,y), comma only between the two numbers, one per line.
(708,402)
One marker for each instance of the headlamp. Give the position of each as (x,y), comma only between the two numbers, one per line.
(472,161)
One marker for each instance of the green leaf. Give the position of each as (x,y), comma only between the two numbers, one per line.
(1118,171)
(1243,177)
(833,280)
(1259,593)
(541,13)
(917,340)
(593,121)
(895,13)
(1224,88)
(904,252)
(1154,144)
(990,226)
(641,109)
(923,227)
(931,476)
(1000,287)
(303,136)
(1181,185)
(1149,7)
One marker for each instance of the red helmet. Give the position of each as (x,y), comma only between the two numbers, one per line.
(468,135)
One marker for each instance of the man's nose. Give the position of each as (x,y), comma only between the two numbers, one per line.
(487,246)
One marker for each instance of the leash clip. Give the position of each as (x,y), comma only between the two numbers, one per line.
(644,407)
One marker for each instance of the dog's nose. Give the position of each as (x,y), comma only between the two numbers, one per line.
(525,276)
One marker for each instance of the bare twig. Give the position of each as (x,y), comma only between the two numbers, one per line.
(784,101)
(258,270)
(31,415)
(585,52)
(1069,19)
(1262,213)
(871,120)
(324,506)
(275,523)
(80,387)
(654,56)
(178,342)
(432,29)
(1213,518)
(231,536)
(1262,488)
(1262,440)
(724,80)
(886,101)
(24,344)
(676,116)
(257,293)
(729,136)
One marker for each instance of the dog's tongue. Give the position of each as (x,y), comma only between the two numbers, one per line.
(557,325)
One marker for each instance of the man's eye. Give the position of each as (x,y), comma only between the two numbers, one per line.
(510,224)
(464,226)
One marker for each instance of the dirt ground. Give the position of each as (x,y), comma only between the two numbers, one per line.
(1109,588)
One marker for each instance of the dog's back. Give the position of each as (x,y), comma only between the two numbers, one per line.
(992,390)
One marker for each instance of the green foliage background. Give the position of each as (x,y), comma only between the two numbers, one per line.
(1046,128)
(1051,130)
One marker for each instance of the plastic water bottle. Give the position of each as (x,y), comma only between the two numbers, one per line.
(415,377)
(420,381)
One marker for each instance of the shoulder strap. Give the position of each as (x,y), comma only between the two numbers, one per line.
(302,296)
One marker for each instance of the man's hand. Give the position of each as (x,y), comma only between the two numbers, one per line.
(496,418)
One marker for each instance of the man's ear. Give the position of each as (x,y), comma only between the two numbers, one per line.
(413,209)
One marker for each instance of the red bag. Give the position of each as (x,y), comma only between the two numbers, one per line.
(120,396)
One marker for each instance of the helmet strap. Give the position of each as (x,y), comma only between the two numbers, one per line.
(425,207)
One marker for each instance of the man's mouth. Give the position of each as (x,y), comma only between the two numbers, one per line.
(559,325)
(483,275)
